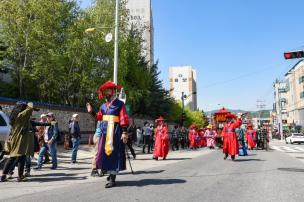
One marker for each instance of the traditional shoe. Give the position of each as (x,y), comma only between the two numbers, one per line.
(110,185)
(94,173)
(134,156)
(225,157)
(233,158)
(111,182)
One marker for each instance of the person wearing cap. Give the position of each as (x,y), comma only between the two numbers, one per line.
(50,144)
(112,129)
(251,136)
(210,134)
(161,138)
(40,135)
(230,142)
(75,134)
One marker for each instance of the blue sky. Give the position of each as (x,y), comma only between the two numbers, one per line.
(236,46)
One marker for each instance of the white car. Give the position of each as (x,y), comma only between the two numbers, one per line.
(295,138)
(5,127)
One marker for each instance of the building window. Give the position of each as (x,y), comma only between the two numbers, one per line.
(302,94)
(171,80)
(176,80)
(184,79)
(301,79)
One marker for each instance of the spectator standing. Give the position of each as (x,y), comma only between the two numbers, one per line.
(75,135)
(147,135)
(50,144)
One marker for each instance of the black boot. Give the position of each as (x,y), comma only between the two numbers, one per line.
(111,182)
(226,156)
(233,158)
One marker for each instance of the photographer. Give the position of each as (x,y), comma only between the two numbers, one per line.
(21,142)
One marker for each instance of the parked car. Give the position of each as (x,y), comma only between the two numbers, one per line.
(295,138)
(5,127)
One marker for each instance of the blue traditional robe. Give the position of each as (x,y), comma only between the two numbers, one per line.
(111,151)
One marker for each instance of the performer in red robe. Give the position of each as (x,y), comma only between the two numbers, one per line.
(230,141)
(203,141)
(192,135)
(161,138)
(251,136)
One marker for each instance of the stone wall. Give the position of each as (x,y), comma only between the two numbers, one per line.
(62,115)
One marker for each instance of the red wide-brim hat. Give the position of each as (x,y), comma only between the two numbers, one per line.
(229,115)
(249,125)
(193,126)
(160,119)
(107,85)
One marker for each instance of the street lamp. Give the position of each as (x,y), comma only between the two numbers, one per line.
(115,40)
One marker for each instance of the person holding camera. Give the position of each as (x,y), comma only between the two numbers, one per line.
(21,142)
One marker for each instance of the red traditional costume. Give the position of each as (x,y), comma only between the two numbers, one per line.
(193,135)
(161,146)
(251,136)
(203,141)
(230,141)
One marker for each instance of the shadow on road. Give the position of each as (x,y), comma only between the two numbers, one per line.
(168,159)
(143,172)
(147,182)
(292,169)
(244,160)
(52,177)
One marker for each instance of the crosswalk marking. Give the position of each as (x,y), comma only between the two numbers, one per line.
(300,149)
(288,149)
(294,151)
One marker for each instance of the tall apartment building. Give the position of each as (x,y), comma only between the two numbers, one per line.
(141,17)
(291,95)
(183,80)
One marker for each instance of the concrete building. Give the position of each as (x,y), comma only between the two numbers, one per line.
(280,104)
(291,93)
(141,17)
(183,80)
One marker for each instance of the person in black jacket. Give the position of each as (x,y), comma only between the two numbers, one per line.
(75,135)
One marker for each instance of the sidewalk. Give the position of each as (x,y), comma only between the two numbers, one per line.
(68,174)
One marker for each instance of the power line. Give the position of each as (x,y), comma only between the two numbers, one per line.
(243,75)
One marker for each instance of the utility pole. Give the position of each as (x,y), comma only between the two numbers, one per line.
(116,42)
(183,109)
(280,113)
(260,106)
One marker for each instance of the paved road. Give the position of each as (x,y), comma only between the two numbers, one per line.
(194,176)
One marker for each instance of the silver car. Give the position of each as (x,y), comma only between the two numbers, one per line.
(5,127)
